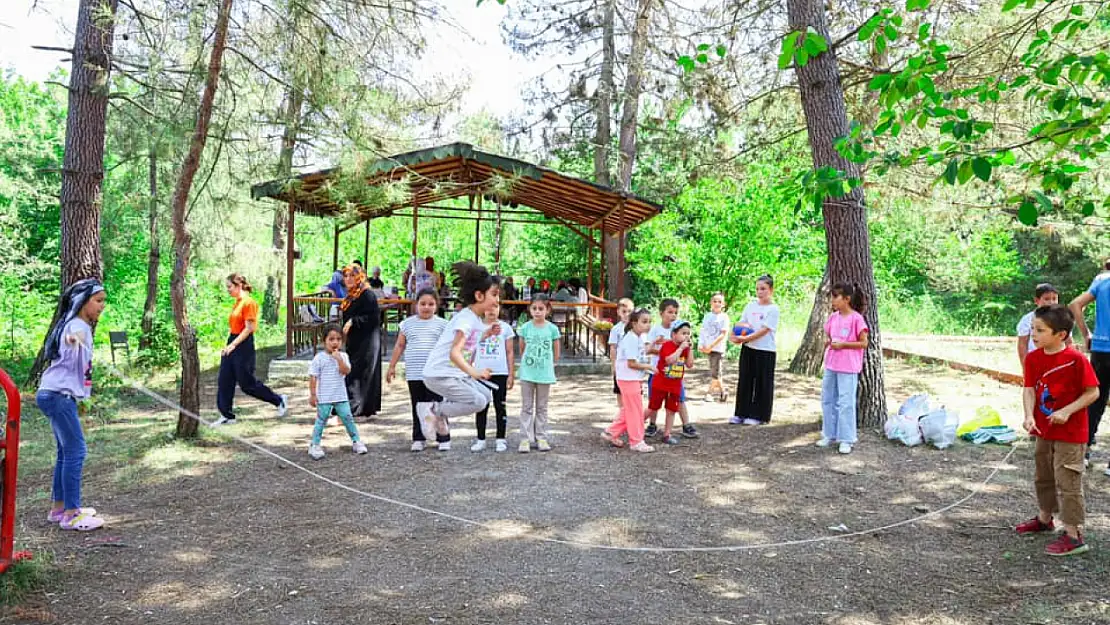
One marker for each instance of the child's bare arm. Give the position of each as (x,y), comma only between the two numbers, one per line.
(341,362)
(1089,396)
(312,390)
(398,349)
(1028,400)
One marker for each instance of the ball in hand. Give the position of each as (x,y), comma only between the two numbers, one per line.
(742,329)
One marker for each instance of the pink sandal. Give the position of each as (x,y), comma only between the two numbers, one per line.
(82,522)
(55,516)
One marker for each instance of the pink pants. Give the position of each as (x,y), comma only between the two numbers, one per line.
(631,417)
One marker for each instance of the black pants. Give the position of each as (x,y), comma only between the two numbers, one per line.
(755,390)
(238,368)
(502,382)
(1100,361)
(418,393)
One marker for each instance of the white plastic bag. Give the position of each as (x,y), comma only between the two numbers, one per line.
(939,427)
(904,425)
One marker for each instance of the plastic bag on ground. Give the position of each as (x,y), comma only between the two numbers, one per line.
(904,425)
(939,427)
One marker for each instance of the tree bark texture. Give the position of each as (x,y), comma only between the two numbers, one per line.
(603,139)
(845,218)
(153,259)
(83,163)
(182,240)
(630,114)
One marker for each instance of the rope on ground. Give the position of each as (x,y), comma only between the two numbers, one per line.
(559,541)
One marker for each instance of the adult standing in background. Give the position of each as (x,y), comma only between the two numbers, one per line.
(237,358)
(1098,344)
(362,327)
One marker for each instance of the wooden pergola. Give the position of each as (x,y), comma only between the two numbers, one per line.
(495,186)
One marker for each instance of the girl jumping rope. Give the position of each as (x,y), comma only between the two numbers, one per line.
(496,354)
(449,371)
(631,366)
(539,349)
(713,341)
(755,388)
(846,337)
(67,380)
(327,389)
(419,334)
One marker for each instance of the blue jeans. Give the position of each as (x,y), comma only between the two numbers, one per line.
(62,412)
(323,411)
(838,406)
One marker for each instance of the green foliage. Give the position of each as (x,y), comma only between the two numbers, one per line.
(26,576)
(798,48)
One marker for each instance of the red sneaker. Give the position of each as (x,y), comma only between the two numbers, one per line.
(1067,546)
(1035,526)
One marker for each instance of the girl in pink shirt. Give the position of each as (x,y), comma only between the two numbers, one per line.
(845,342)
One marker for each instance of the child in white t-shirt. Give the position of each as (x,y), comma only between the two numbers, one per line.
(495,353)
(713,342)
(1044,295)
(755,386)
(327,390)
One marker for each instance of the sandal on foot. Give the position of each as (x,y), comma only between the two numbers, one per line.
(82,523)
(56,516)
(612,440)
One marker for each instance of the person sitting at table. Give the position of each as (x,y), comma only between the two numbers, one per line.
(376,279)
(583,297)
(336,287)
(421,278)
(545,287)
(528,290)
(563,293)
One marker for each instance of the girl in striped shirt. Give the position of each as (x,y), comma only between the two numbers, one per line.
(416,339)
(327,390)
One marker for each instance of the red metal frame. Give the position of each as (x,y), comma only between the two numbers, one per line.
(9,463)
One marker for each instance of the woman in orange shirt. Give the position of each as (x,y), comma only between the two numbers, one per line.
(237,359)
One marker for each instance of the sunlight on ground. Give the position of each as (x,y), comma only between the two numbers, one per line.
(169,462)
(191,556)
(503,529)
(610,531)
(182,595)
(510,600)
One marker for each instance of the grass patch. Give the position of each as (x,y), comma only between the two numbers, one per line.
(26,577)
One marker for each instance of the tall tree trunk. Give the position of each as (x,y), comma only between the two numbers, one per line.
(846,235)
(294,102)
(83,163)
(603,139)
(630,114)
(182,240)
(153,259)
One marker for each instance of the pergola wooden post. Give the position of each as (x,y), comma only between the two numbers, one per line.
(415,236)
(335,250)
(289,310)
(366,246)
(477,224)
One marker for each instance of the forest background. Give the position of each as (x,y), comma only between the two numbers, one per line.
(721,143)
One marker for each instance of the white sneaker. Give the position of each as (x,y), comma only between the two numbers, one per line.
(417,446)
(501,445)
(543,445)
(751,421)
(445,446)
(478,445)
(845,448)
(524,447)
(427,419)
(283,407)
(359,448)
(223,421)
(642,447)
(824,442)
(316,452)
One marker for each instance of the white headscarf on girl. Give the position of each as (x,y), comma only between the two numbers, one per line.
(73,300)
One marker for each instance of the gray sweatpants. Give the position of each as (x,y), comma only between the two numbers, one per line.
(461,396)
(533,412)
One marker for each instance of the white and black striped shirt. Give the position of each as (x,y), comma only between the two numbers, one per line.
(331,387)
(420,337)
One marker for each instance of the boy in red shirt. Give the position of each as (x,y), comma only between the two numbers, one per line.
(1059,385)
(675,358)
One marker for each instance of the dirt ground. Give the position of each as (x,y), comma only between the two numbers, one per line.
(217,534)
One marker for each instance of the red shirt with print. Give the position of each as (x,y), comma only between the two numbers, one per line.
(1057,380)
(668,378)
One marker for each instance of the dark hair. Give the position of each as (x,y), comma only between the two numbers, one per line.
(1106,265)
(853,292)
(667,303)
(1057,317)
(1043,289)
(543,298)
(635,316)
(427,291)
(678,326)
(332,327)
(767,279)
(574,283)
(471,278)
(238,279)
(357,261)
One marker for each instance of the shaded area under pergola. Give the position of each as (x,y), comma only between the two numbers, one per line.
(409,185)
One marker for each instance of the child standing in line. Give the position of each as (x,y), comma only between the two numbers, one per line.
(327,390)
(660,334)
(418,335)
(67,380)
(1059,385)
(625,307)
(846,337)
(1044,295)
(755,387)
(713,342)
(496,354)
(630,367)
(539,349)
(675,358)
(449,371)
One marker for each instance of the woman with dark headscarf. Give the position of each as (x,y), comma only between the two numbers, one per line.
(362,326)
(67,380)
